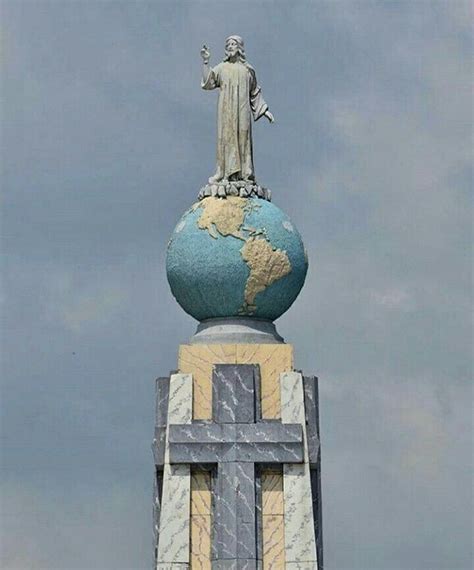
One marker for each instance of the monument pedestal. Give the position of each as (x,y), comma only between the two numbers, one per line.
(236,443)
(237,461)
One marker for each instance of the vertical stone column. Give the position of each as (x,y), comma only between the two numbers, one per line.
(300,539)
(201,519)
(273,524)
(174,529)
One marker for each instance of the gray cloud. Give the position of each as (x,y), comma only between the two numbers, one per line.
(107,139)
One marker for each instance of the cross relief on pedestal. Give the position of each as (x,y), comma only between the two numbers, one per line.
(236,440)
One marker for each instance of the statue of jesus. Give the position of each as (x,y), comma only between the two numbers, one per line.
(239,98)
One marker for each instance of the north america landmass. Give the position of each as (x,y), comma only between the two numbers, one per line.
(267,263)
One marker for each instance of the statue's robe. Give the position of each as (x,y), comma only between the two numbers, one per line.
(240,98)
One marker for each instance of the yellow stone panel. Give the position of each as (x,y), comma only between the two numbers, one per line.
(200,520)
(201,542)
(272,493)
(200,493)
(199,359)
(273,542)
(273,360)
(273,526)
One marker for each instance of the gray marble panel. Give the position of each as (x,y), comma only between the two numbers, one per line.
(159,441)
(184,453)
(244,479)
(225,511)
(233,393)
(235,565)
(310,384)
(247,541)
(159,446)
(205,442)
(157,500)
(266,452)
(234,512)
(162,390)
(213,433)
(156,516)
(268,432)
(317,513)
(311,394)
(312,398)
(262,432)
(201,432)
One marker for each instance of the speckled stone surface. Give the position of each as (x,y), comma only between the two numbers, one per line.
(158,448)
(237,490)
(201,521)
(236,330)
(264,442)
(311,396)
(312,419)
(300,539)
(159,441)
(174,533)
(273,527)
(231,257)
(272,359)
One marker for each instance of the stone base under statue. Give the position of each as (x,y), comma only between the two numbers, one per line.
(237,459)
(242,188)
(237,330)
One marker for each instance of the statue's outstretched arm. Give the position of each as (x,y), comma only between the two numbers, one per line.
(206,70)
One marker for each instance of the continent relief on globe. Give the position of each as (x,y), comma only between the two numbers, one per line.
(267,264)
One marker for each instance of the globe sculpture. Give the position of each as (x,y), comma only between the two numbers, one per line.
(235,257)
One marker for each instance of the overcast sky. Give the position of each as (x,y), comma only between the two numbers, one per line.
(107,138)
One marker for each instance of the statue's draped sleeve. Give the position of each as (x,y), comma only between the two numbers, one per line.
(213,79)
(257,102)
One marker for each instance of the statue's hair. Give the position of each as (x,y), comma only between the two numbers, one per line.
(241,50)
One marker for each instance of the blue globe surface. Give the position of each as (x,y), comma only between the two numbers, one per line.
(235,257)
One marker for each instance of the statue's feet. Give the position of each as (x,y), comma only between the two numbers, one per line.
(216,178)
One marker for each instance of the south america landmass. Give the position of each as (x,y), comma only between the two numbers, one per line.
(267,264)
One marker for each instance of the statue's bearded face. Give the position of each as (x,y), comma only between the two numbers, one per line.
(232,48)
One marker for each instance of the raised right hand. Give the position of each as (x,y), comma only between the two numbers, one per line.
(205,53)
